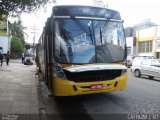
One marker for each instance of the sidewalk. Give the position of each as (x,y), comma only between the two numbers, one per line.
(19,97)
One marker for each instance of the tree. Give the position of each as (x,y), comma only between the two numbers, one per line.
(17,30)
(19,6)
(17,40)
(16,46)
(3,25)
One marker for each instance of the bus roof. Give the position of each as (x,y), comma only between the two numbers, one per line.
(85,11)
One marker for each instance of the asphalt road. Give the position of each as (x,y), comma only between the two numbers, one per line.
(141,97)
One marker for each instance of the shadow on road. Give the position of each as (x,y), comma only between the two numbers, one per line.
(71,108)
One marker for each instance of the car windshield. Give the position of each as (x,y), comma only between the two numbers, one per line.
(88,41)
(156,60)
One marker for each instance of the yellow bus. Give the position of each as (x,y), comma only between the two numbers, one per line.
(82,51)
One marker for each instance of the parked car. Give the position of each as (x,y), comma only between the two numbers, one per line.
(137,60)
(149,67)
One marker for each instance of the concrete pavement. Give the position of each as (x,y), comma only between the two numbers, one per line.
(19,92)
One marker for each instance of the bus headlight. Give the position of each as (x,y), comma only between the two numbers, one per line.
(60,74)
(57,68)
(123,71)
(58,71)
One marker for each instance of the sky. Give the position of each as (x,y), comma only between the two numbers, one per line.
(135,11)
(132,12)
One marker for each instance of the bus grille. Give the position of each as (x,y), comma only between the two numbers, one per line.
(92,76)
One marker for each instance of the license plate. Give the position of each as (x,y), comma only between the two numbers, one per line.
(96,86)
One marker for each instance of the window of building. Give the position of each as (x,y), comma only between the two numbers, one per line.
(145,46)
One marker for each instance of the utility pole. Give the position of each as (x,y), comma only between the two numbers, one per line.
(34,37)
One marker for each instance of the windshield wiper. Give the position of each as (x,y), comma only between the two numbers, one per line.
(81,26)
(101,35)
(84,29)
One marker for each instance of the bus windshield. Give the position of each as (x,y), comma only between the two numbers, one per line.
(88,41)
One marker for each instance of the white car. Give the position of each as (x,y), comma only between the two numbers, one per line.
(137,60)
(148,67)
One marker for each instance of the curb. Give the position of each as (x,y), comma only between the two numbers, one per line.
(42,110)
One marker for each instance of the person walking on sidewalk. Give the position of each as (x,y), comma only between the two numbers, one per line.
(1,58)
(7,58)
(23,56)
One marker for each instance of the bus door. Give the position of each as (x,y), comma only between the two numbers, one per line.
(46,59)
(49,65)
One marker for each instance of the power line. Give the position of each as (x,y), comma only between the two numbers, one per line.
(34,37)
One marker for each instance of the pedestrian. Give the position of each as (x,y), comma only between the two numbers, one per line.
(22,56)
(28,62)
(7,58)
(1,58)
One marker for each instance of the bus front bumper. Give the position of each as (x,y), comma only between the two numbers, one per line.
(70,88)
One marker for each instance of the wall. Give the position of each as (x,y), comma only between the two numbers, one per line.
(147,34)
(4,43)
(130,43)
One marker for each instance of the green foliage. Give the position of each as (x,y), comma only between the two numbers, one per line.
(16,45)
(4,16)
(3,24)
(19,6)
(17,30)
(17,40)
(3,32)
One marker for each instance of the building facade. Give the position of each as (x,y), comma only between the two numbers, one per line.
(148,41)
(131,46)
(130,41)
(4,36)
(143,39)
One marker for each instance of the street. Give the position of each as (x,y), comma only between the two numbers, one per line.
(141,97)
(19,95)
